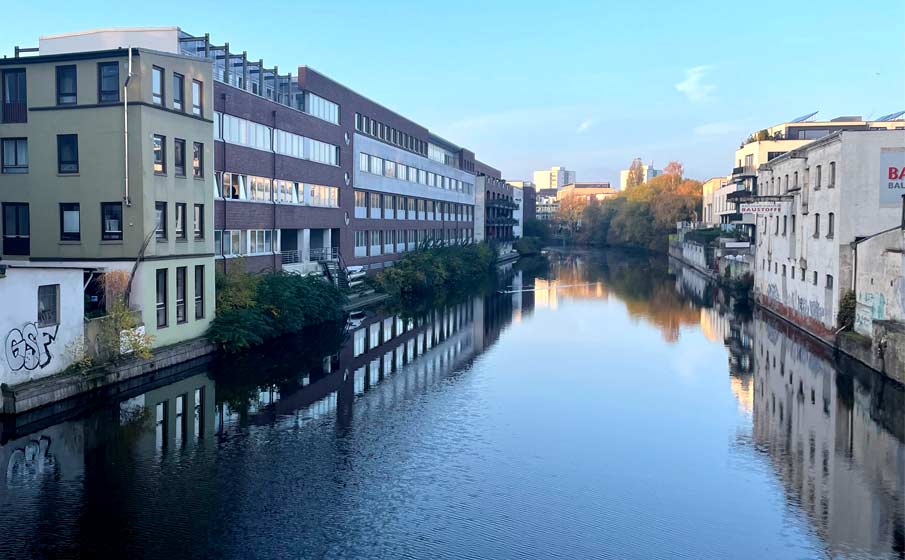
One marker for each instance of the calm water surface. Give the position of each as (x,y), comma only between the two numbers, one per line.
(601,406)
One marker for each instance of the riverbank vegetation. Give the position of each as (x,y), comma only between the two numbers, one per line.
(535,235)
(428,270)
(254,308)
(642,216)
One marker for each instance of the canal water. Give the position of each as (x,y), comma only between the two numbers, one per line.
(596,405)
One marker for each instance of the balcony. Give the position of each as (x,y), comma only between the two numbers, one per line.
(744,171)
(15,113)
(501,221)
(295,256)
(501,203)
(744,195)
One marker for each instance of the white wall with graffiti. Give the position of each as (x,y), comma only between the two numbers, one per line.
(41,322)
(880,286)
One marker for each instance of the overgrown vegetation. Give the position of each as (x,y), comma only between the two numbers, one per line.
(254,308)
(642,216)
(535,235)
(845,319)
(428,270)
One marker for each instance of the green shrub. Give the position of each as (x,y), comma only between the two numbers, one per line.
(264,307)
(430,269)
(528,246)
(845,319)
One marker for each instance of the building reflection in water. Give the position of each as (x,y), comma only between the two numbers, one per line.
(834,434)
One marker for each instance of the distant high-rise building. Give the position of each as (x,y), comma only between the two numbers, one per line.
(553,178)
(647,173)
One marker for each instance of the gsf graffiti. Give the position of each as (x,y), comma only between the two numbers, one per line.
(28,348)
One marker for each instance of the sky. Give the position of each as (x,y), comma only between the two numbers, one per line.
(526,85)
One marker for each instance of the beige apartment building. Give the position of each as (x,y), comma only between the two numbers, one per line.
(107,165)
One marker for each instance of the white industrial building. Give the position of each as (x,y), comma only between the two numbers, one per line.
(814,202)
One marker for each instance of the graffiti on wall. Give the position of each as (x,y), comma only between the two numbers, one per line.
(876,302)
(29,348)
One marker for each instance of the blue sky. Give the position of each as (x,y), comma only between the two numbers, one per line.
(585,84)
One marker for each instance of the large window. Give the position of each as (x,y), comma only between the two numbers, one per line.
(157,85)
(180,294)
(66,85)
(363,161)
(48,305)
(197,160)
(111,220)
(67,153)
(14,154)
(161,278)
(178,92)
(259,188)
(108,82)
(321,108)
(16,228)
(323,196)
(181,232)
(199,291)
(160,220)
(160,154)
(197,97)
(260,241)
(70,221)
(199,221)
(15,104)
(178,157)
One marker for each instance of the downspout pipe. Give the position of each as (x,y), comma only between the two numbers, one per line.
(126,198)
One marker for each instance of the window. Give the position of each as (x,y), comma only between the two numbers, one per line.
(199,291)
(197,160)
(66,85)
(161,298)
(793,224)
(70,227)
(180,221)
(178,157)
(160,220)
(14,155)
(111,220)
(16,228)
(829,282)
(160,154)
(197,94)
(157,85)
(180,294)
(321,108)
(363,160)
(67,153)
(785,223)
(830,225)
(815,277)
(108,82)
(199,221)
(178,92)
(818,181)
(48,305)
(360,201)
(816,225)
(832,179)
(15,104)
(376,165)
(795,180)
(260,241)
(389,168)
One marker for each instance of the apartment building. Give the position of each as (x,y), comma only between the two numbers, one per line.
(310,171)
(529,199)
(587,191)
(496,206)
(547,204)
(107,166)
(713,200)
(763,146)
(814,203)
(553,178)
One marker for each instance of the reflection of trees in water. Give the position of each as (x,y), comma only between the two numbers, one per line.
(640,280)
(281,363)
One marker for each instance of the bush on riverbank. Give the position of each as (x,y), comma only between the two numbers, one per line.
(528,246)
(428,270)
(845,319)
(252,309)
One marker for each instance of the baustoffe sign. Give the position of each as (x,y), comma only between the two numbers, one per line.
(892,179)
(764,208)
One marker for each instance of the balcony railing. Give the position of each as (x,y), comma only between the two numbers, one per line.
(501,221)
(745,170)
(294,256)
(502,203)
(15,113)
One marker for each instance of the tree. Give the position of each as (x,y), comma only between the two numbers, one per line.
(635,173)
(673,168)
(570,210)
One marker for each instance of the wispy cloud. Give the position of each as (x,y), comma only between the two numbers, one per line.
(693,85)
(585,125)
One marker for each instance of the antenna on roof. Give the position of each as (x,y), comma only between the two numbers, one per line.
(804,117)
(891,116)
